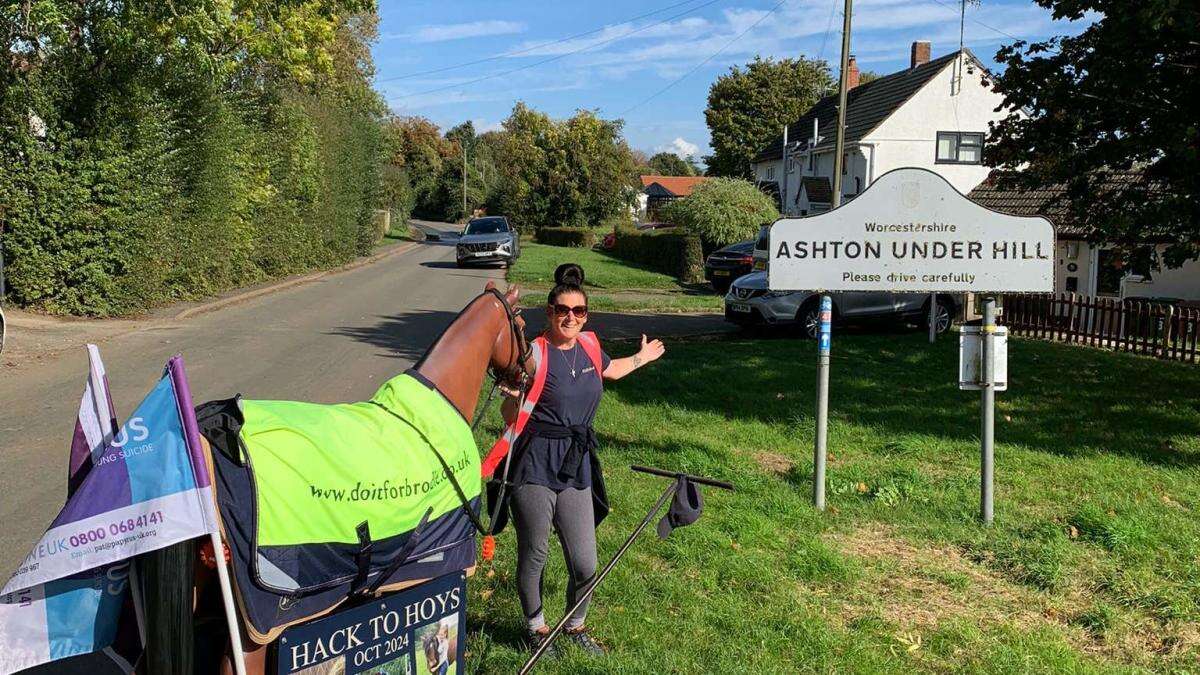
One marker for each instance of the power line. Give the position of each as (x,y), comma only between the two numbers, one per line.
(535,47)
(828,27)
(705,61)
(962,12)
(559,56)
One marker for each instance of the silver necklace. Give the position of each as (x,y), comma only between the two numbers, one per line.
(574,360)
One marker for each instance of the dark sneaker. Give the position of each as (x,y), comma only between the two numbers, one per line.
(536,639)
(586,643)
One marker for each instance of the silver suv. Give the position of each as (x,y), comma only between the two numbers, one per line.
(749,302)
(487,239)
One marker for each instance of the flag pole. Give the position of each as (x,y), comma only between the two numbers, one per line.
(235,634)
(200,462)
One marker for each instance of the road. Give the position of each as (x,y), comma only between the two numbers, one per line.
(331,340)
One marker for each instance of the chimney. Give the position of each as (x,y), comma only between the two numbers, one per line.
(920,53)
(851,73)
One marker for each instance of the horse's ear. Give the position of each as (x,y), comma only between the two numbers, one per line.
(513,295)
(490,285)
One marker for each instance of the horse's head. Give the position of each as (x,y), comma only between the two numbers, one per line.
(511,359)
(430,644)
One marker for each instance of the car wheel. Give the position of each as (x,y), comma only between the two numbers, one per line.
(941,317)
(810,320)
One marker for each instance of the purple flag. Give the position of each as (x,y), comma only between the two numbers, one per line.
(148,489)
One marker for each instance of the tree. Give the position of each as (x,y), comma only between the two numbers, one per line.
(1106,114)
(553,173)
(723,211)
(748,107)
(670,164)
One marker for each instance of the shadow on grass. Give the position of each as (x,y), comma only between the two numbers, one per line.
(1061,400)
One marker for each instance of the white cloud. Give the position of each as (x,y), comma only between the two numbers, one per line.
(681,148)
(458,31)
(483,126)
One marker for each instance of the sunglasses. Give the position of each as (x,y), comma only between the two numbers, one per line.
(580,311)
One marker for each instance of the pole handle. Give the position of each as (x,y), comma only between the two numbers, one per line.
(675,474)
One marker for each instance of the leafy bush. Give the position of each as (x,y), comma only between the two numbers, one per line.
(153,186)
(723,211)
(678,254)
(584,237)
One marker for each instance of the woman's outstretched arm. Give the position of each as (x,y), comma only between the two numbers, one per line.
(651,351)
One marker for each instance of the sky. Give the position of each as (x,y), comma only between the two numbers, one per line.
(651,62)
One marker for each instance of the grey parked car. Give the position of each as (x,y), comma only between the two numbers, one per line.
(488,239)
(749,302)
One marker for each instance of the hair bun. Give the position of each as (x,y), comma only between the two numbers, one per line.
(569,273)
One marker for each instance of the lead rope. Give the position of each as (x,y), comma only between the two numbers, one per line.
(488,550)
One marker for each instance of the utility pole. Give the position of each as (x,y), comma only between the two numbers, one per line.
(826,309)
(464,153)
(783,197)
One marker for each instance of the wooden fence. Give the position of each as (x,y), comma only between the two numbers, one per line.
(1131,325)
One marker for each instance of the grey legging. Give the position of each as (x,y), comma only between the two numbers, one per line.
(535,508)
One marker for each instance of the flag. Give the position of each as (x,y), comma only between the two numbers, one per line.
(147,489)
(95,425)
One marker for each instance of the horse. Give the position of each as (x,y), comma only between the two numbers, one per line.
(487,333)
(433,659)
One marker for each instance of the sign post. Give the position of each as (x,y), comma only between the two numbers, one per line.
(987,411)
(912,232)
(823,338)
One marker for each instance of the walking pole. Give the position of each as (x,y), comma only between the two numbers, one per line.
(666,495)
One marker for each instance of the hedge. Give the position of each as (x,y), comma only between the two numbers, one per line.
(582,237)
(190,196)
(677,254)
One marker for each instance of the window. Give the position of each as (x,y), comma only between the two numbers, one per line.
(770,173)
(954,147)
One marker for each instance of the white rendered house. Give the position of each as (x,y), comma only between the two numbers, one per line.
(933,115)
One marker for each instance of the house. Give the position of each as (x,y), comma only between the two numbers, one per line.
(933,115)
(660,190)
(1088,268)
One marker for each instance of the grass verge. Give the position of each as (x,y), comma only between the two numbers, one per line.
(613,285)
(1093,564)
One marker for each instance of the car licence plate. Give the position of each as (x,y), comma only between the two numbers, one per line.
(484,254)
(720,273)
(739,307)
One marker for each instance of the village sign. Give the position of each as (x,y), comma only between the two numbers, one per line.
(911,231)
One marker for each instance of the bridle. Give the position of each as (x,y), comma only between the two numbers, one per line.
(515,374)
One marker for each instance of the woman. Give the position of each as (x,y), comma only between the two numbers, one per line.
(555,473)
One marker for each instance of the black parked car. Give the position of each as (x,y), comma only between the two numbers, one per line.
(488,239)
(729,263)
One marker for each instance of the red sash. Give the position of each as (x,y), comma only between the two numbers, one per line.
(541,355)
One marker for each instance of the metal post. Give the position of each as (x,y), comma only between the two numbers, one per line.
(932,318)
(819,450)
(466,216)
(987,410)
